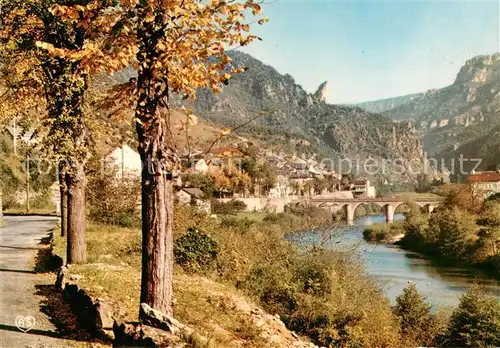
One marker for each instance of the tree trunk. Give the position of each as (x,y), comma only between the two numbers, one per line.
(63,190)
(157,242)
(76,251)
(157,156)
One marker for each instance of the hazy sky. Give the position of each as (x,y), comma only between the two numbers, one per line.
(368,50)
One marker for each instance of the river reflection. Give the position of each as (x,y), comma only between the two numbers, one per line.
(393,267)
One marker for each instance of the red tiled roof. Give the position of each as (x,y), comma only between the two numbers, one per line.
(227,152)
(485,177)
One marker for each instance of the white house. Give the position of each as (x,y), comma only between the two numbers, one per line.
(126,160)
(201,166)
(487,182)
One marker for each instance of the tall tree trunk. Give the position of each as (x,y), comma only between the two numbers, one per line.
(76,247)
(63,190)
(157,241)
(157,158)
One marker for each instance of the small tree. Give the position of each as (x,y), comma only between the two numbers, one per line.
(476,321)
(452,230)
(414,315)
(31,37)
(320,184)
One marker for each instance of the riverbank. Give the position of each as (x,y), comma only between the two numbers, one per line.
(392,266)
(384,232)
(250,261)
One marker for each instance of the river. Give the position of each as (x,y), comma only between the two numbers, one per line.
(393,267)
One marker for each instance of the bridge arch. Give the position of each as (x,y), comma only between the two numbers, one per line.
(389,205)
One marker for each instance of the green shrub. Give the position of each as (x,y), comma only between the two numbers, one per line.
(415,227)
(231,207)
(453,232)
(195,250)
(382,231)
(324,294)
(114,201)
(241,224)
(414,316)
(476,321)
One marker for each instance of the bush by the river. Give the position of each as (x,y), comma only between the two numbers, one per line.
(419,327)
(456,234)
(476,321)
(325,295)
(382,232)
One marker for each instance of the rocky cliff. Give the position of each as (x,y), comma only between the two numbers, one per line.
(290,112)
(457,119)
(321,94)
(473,97)
(382,105)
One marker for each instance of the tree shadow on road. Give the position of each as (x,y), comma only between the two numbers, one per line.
(46,261)
(60,314)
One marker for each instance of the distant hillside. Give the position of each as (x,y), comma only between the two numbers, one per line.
(382,105)
(460,118)
(484,146)
(474,96)
(292,113)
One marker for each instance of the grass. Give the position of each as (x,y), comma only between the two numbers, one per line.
(34,211)
(323,294)
(113,274)
(252,216)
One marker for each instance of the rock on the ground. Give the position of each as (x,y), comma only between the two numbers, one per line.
(163,321)
(62,278)
(104,315)
(138,335)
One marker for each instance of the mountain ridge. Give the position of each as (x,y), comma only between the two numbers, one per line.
(290,112)
(459,118)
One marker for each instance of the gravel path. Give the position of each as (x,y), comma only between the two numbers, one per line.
(19,241)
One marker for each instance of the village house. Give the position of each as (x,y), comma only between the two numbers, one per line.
(193,196)
(363,188)
(125,161)
(443,123)
(487,182)
(281,188)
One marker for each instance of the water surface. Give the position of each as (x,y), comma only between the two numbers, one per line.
(393,267)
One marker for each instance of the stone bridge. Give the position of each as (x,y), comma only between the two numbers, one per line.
(389,204)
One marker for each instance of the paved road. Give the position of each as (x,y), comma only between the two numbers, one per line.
(19,241)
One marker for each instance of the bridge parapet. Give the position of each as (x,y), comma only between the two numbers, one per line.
(389,204)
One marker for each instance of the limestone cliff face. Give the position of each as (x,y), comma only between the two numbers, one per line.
(291,112)
(474,95)
(321,94)
(480,70)
(458,118)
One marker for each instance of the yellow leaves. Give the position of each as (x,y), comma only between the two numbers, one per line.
(193,120)
(160,46)
(225,131)
(256,9)
(263,20)
(54,51)
(43,45)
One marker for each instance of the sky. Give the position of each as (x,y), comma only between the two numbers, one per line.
(369,50)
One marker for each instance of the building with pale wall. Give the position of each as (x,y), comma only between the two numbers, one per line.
(487,182)
(126,161)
